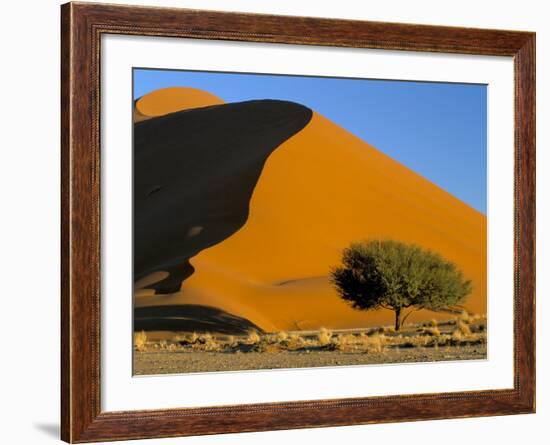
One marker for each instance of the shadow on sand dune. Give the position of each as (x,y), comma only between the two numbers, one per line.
(194,174)
(190,318)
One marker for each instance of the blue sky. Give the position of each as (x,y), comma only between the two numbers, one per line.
(439,130)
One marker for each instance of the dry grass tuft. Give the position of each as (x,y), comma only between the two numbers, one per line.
(429,334)
(140,340)
(295,341)
(434,331)
(463,328)
(264,346)
(413,341)
(205,338)
(375,343)
(338,341)
(205,342)
(253,338)
(230,341)
(212,344)
(324,337)
(184,340)
(464,316)
(344,341)
(457,335)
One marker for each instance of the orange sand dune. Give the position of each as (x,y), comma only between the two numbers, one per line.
(318,191)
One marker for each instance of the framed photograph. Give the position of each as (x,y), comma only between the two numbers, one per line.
(274,222)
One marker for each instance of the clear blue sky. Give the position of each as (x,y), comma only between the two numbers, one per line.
(439,130)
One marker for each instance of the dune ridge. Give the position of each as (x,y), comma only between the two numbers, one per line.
(169,100)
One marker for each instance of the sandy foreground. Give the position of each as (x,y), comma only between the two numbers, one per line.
(170,362)
(451,341)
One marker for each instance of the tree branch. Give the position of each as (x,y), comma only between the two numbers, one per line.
(407,316)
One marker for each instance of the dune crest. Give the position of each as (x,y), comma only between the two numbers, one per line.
(172,99)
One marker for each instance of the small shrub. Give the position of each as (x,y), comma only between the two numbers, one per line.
(433,323)
(281,336)
(140,340)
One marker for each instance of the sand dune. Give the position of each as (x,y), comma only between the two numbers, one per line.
(318,191)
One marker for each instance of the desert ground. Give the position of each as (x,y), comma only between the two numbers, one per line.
(461,338)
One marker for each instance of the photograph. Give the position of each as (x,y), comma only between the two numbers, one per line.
(290,221)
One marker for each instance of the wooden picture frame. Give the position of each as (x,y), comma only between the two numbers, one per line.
(83,24)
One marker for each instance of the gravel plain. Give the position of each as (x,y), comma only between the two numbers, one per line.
(178,362)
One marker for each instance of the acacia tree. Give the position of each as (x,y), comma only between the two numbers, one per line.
(396,276)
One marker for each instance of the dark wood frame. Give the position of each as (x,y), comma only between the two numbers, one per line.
(82,26)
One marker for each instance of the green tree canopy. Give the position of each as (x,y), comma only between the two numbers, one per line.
(394,275)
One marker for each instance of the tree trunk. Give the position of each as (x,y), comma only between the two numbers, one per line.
(398,319)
